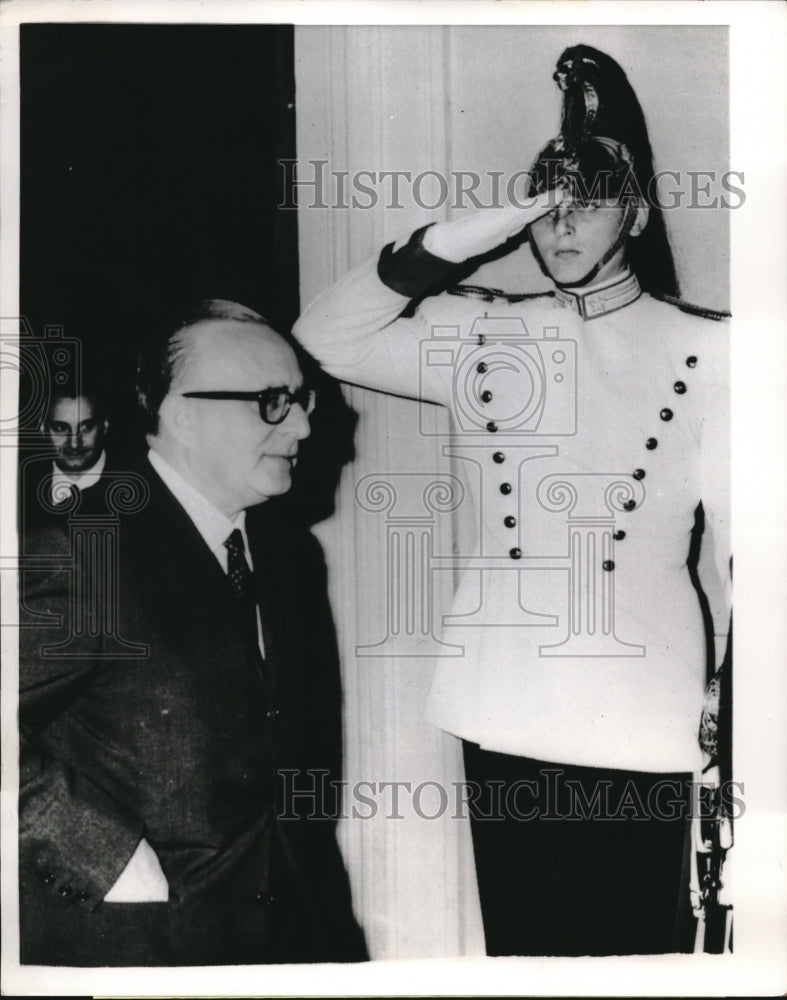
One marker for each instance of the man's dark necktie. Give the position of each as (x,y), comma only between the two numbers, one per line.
(66,496)
(242,582)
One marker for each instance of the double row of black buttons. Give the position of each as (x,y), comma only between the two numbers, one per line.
(651,444)
(666,414)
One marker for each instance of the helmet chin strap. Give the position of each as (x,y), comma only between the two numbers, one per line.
(629,218)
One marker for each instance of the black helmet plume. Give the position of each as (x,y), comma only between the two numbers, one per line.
(603,151)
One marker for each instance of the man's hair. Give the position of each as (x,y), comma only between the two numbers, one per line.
(87,388)
(164,355)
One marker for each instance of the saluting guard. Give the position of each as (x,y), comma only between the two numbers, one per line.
(594,421)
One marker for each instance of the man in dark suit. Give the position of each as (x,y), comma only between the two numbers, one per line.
(68,468)
(180,727)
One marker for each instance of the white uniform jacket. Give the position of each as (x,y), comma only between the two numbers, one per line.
(588,444)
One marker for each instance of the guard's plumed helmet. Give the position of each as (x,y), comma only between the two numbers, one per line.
(603,152)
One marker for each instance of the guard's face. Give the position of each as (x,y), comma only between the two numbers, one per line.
(76,434)
(237,459)
(573,238)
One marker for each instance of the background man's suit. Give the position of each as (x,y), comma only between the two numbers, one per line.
(35,505)
(182,746)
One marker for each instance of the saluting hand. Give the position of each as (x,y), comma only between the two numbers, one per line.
(478,232)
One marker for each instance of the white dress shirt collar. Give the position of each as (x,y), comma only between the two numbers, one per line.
(214,526)
(60,480)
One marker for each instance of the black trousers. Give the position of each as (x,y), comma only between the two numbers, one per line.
(579,860)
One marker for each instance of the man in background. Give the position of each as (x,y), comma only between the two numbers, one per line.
(72,462)
(76,427)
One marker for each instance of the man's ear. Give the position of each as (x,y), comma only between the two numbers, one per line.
(641,220)
(177,417)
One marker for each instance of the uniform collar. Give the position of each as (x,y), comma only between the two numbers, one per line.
(601,299)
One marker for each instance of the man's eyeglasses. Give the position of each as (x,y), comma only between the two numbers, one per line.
(274,403)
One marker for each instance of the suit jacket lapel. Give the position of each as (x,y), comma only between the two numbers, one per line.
(201,568)
(179,533)
(199,584)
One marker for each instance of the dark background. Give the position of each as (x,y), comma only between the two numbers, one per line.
(149,178)
(149,170)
